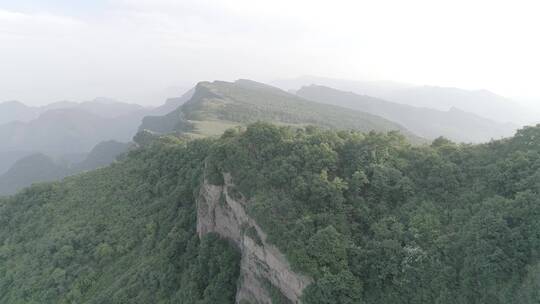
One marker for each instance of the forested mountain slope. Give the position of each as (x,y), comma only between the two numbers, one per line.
(219,105)
(122,234)
(454,124)
(31,169)
(368,217)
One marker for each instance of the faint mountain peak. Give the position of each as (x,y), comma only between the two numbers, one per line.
(11,111)
(104,100)
(13,103)
(342,84)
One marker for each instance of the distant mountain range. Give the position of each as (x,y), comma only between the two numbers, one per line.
(39,167)
(370,88)
(8,158)
(454,124)
(68,128)
(12,111)
(15,111)
(31,169)
(480,102)
(50,142)
(66,131)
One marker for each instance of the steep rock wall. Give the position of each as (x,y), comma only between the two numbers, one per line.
(264,270)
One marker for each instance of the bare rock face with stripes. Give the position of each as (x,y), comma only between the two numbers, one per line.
(264,270)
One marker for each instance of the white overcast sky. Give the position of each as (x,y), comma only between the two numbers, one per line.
(133,50)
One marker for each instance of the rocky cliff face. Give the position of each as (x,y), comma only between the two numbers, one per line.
(265,273)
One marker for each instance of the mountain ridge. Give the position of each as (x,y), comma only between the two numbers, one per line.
(454,123)
(480,102)
(246,101)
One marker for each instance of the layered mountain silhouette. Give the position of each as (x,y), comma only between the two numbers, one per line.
(8,158)
(31,169)
(454,124)
(39,167)
(101,155)
(101,106)
(12,111)
(16,111)
(370,88)
(65,129)
(480,102)
(50,142)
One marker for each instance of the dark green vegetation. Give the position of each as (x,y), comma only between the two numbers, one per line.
(370,217)
(454,124)
(122,234)
(219,105)
(375,220)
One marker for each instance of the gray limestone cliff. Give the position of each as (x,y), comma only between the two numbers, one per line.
(264,271)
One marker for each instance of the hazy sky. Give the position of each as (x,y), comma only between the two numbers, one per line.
(133,50)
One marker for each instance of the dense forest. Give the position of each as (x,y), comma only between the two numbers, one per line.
(121,234)
(370,217)
(376,220)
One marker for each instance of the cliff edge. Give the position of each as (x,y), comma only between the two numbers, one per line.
(265,274)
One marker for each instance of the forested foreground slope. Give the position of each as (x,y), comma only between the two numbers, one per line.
(369,217)
(122,234)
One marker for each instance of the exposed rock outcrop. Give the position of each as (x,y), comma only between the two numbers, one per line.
(264,269)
